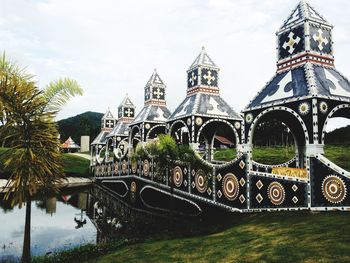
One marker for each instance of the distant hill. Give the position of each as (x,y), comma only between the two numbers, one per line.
(341,135)
(88,123)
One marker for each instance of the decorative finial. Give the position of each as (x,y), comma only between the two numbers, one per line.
(203,48)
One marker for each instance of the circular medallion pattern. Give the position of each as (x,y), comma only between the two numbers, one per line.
(109,170)
(249,118)
(323,107)
(304,108)
(147,126)
(134,166)
(230,186)
(133,187)
(119,139)
(237,125)
(178,176)
(201,181)
(145,167)
(124,166)
(276,193)
(334,189)
(189,122)
(199,121)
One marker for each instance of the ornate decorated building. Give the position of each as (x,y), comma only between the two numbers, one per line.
(118,138)
(98,145)
(204,114)
(151,120)
(305,93)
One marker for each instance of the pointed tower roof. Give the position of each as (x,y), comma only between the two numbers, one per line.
(155,79)
(203,60)
(155,90)
(302,12)
(126,102)
(108,115)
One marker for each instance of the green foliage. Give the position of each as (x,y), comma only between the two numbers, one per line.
(88,123)
(338,136)
(30,130)
(75,165)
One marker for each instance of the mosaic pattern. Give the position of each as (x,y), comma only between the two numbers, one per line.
(230,186)
(124,166)
(178,176)
(276,193)
(304,108)
(201,181)
(146,168)
(133,187)
(334,189)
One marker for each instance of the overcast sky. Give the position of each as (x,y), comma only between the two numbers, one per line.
(112,47)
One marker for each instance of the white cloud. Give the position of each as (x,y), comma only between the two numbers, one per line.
(111,47)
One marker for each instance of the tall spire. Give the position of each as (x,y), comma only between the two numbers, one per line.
(202,75)
(304,37)
(155,90)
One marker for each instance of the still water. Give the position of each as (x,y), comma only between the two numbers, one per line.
(58,222)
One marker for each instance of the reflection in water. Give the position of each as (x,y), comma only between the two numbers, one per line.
(79,217)
(53,227)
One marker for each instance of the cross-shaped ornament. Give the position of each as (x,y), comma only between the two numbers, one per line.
(193,78)
(320,39)
(209,77)
(109,124)
(291,42)
(128,112)
(158,93)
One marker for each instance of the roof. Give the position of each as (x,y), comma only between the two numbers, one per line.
(203,60)
(307,80)
(302,12)
(120,129)
(108,115)
(101,138)
(70,144)
(207,105)
(152,113)
(126,102)
(155,79)
(223,140)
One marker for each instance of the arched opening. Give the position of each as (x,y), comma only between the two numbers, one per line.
(155,131)
(101,154)
(217,141)
(180,132)
(135,137)
(109,149)
(336,136)
(277,137)
(121,148)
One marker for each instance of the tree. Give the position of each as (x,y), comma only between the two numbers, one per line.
(29,127)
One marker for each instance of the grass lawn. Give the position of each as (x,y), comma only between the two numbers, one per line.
(339,154)
(264,237)
(72,164)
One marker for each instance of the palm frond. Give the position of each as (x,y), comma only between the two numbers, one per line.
(57,93)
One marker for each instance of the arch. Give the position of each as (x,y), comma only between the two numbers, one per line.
(218,120)
(154,128)
(330,115)
(177,123)
(132,135)
(274,109)
(117,148)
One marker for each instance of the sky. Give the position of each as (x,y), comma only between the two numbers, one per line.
(112,47)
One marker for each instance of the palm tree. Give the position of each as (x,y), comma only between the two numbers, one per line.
(28,117)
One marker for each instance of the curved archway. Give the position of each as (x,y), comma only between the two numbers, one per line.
(121,148)
(180,132)
(109,149)
(135,137)
(294,124)
(289,117)
(342,110)
(155,131)
(217,141)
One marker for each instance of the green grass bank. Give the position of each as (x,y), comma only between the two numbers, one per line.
(257,237)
